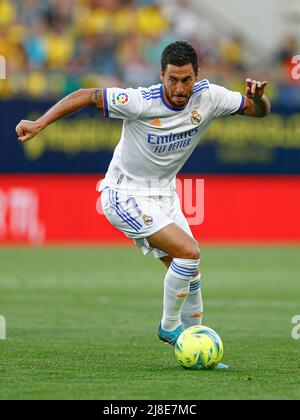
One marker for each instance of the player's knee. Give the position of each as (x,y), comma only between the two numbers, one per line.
(195,254)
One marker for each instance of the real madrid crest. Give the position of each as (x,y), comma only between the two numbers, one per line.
(196,117)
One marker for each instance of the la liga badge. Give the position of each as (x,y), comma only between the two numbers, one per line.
(122,98)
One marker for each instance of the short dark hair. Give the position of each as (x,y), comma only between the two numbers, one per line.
(179,54)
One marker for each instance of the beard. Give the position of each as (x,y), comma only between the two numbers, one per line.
(178,101)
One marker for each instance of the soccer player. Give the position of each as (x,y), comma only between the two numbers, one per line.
(162,125)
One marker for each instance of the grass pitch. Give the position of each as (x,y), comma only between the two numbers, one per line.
(81,324)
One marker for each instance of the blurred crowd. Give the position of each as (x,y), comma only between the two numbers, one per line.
(54,47)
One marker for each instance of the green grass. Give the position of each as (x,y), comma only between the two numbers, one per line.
(81,324)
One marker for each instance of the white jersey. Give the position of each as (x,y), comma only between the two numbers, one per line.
(157,139)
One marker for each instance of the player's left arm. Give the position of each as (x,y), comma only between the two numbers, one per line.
(256,103)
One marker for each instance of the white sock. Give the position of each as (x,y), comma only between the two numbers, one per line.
(192,308)
(176,290)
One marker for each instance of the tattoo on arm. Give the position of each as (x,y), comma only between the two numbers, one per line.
(97,98)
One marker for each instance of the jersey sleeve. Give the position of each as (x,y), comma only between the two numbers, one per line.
(120,103)
(225,102)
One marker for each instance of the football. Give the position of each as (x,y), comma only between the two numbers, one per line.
(199,348)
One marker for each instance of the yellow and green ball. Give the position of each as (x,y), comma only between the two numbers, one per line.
(199,347)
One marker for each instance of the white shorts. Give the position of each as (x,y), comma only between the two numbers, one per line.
(140,217)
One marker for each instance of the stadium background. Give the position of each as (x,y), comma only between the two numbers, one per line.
(251,167)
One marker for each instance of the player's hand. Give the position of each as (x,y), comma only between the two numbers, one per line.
(255,89)
(26,130)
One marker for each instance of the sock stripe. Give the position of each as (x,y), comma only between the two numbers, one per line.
(195,286)
(184,267)
(182,273)
(195,289)
(183,270)
(195,283)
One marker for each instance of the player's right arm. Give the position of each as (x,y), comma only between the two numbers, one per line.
(77,100)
